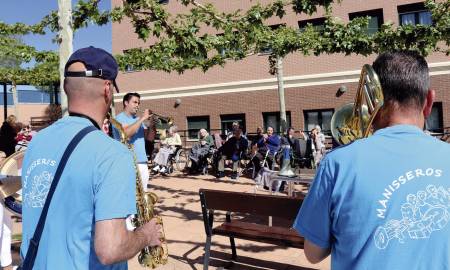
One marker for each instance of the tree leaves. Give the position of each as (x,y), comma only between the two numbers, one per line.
(205,37)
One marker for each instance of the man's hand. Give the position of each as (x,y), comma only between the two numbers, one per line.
(152,232)
(146,114)
(114,243)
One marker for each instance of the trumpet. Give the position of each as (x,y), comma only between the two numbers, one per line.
(166,119)
(155,119)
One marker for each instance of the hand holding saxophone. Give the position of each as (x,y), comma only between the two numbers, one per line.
(152,233)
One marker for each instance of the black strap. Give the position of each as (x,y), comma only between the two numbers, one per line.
(34,242)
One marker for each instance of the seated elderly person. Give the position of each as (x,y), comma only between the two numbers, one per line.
(168,147)
(269,144)
(232,149)
(200,151)
(294,143)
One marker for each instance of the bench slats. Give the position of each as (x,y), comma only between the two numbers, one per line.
(257,204)
(249,231)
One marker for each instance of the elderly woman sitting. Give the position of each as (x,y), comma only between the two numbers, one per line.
(168,147)
(200,151)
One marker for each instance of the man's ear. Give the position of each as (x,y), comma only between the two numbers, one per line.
(428,103)
(107,92)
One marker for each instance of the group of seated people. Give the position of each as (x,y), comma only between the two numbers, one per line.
(264,149)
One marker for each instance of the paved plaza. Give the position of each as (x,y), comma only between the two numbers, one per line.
(183,224)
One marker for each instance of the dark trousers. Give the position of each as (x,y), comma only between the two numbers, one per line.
(149,148)
(258,159)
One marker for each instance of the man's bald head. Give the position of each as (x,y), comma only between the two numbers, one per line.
(82,87)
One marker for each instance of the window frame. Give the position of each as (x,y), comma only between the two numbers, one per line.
(232,118)
(191,131)
(319,118)
(369,13)
(414,8)
(277,114)
(316,23)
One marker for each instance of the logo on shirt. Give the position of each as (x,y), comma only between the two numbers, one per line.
(423,213)
(37,185)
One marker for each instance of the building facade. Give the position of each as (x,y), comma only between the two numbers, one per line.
(30,104)
(245,91)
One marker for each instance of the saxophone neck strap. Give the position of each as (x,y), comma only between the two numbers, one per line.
(34,242)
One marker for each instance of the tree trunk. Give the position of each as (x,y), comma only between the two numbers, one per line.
(65,46)
(15,100)
(280,80)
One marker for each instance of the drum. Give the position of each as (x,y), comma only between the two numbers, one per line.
(12,166)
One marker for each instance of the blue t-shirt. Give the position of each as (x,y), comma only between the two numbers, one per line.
(137,139)
(98,183)
(382,202)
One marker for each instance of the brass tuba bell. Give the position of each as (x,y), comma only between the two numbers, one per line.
(354,120)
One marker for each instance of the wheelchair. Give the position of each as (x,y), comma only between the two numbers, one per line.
(177,161)
(203,164)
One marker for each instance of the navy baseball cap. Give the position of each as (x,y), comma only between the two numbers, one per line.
(98,62)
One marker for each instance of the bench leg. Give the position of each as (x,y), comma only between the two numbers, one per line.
(233,249)
(207,253)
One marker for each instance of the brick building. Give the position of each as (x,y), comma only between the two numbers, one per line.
(245,91)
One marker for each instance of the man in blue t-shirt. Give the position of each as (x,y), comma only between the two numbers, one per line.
(134,129)
(85,227)
(384,202)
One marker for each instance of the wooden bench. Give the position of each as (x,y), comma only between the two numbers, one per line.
(283,208)
(40,122)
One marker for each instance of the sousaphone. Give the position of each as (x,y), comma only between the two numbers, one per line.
(354,120)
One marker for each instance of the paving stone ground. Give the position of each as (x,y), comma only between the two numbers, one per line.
(183,224)
(179,207)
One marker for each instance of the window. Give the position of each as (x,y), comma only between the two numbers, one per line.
(414,14)
(195,123)
(318,24)
(434,122)
(319,117)
(272,119)
(128,67)
(232,47)
(226,121)
(375,21)
(266,49)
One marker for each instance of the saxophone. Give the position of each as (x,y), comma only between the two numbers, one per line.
(145,203)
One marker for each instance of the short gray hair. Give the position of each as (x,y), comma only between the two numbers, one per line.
(404,77)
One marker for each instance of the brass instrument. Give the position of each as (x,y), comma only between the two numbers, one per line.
(157,120)
(354,120)
(10,196)
(145,203)
(166,119)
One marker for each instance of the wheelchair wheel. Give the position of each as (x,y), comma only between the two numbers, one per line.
(181,160)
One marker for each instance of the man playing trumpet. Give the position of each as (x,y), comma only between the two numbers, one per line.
(134,129)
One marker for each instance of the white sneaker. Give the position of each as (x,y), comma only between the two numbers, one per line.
(156,169)
(163,170)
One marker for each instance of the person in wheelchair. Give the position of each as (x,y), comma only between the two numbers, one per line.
(168,147)
(268,146)
(200,151)
(233,149)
